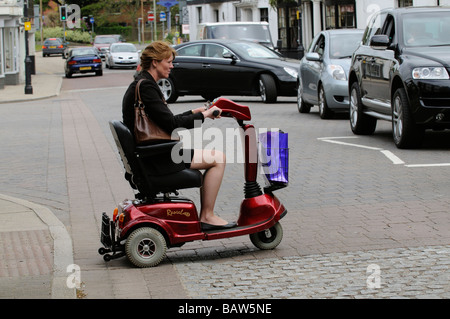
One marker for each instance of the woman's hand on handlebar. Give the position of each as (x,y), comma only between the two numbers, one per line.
(212,113)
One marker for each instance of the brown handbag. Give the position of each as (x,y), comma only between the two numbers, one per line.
(145,130)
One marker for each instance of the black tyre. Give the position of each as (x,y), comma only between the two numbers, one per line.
(168,89)
(267,88)
(361,123)
(405,131)
(324,110)
(302,106)
(145,247)
(269,238)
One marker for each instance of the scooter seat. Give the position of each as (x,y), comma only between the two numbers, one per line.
(150,169)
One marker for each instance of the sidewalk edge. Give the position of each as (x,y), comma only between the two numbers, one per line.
(62,247)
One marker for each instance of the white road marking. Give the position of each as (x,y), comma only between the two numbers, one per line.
(391,156)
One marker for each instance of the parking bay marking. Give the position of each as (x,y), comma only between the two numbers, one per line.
(391,156)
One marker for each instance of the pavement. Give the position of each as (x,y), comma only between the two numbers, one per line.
(35,246)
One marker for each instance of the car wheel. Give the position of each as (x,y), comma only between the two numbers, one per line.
(302,106)
(324,111)
(68,74)
(168,90)
(267,88)
(99,73)
(361,124)
(405,132)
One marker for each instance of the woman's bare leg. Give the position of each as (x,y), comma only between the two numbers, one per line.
(213,162)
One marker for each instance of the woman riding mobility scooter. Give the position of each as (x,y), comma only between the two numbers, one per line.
(143,228)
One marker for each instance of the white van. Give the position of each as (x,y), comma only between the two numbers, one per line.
(249,31)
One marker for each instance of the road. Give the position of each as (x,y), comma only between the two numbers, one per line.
(364,218)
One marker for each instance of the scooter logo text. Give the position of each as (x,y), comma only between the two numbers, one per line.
(177,212)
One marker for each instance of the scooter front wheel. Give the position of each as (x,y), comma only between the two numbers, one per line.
(146,247)
(269,238)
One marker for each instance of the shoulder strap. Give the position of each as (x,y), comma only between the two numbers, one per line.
(137,93)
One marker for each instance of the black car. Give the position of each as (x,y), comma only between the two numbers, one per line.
(54,46)
(400,73)
(83,60)
(212,68)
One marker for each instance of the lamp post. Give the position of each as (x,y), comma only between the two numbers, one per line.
(28,62)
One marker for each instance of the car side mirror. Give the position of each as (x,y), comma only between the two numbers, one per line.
(313,56)
(380,42)
(228,55)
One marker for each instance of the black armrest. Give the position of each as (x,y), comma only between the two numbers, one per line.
(157,149)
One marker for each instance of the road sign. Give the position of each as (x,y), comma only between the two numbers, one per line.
(150,16)
(91,20)
(162,16)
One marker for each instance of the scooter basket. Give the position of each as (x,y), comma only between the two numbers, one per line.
(274,154)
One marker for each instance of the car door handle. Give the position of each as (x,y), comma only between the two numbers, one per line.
(206,65)
(175,64)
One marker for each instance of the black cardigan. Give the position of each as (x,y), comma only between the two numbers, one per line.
(155,107)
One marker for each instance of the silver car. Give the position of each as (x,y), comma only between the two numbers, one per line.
(122,55)
(323,76)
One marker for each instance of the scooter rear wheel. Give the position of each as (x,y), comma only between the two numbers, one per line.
(269,238)
(146,247)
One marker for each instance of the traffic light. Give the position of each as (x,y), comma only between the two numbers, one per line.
(62,13)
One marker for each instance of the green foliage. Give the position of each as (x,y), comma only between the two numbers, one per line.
(72,35)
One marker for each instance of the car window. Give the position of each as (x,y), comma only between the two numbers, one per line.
(389,28)
(83,51)
(319,47)
(343,45)
(191,50)
(104,40)
(123,48)
(215,51)
(426,29)
(374,27)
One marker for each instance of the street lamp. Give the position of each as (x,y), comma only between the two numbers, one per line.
(28,62)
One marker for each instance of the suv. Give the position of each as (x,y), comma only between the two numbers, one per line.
(400,73)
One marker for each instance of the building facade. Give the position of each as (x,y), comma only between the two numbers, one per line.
(293,23)
(12,43)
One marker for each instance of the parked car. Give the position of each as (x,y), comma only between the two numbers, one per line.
(122,55)
(83,60)
(323,75)
(54,46)
(212,68)
(400,73)
(103,42)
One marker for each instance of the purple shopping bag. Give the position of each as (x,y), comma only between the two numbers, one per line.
(274,154)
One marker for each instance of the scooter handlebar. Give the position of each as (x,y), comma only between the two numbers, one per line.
(232,109)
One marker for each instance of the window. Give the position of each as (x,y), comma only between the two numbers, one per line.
(215,51)
(199,15)
(264,14)
(11,50)
(405,3)
(374,27)
(338,16)
(191,50)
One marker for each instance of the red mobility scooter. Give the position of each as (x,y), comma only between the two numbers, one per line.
(145,227)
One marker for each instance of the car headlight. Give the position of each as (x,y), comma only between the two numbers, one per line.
(430,73)
(337,72)
(291,72)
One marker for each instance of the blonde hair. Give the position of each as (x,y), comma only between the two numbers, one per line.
(157,50)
